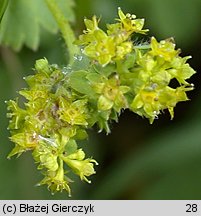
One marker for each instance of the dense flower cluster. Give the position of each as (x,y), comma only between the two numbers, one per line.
(50,123)
(112,73)
(153,72)
(113,44)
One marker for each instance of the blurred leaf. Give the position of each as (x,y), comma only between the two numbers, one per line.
(3,6)
(172,149)
(23,19)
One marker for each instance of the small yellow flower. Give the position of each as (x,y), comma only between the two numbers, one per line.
(115,43)
(102,48)
(24,141)
(150,103)
(73,113)
(123,49)
(81,167)
(130,23)
(164,49)
(111,94)
(56,181)
(16,114)
(91,25)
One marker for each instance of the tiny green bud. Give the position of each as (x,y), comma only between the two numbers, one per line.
(82,168)
(42,66)
(104,103)
(79,155)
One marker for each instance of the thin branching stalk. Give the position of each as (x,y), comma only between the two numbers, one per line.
(64,27)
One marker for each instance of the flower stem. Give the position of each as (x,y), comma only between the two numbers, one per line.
(145,46)
(65,28)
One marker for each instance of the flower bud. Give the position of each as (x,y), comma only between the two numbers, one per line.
(42,66)
(80,166)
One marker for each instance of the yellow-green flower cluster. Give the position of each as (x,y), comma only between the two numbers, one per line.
(111,94)
(49,124)
(112,74)
(152,76)
(115,43)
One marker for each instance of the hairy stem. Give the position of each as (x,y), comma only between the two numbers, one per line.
(65,28)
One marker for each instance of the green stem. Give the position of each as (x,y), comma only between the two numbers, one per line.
(65,28)
(147,46)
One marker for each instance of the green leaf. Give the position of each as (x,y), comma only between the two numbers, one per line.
(78,81)
(81,134)
(106,71)
(71,146)
(81,62)
(23,19)
(94,77)
(3,6)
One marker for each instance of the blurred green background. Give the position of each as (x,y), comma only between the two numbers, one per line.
(137,160)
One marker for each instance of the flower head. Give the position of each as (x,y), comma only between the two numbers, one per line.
(56,181)
(111,94)
(156,68)
(130,23)
(112,73)
(114,44)
(79,165)
(73,113)
(164,49)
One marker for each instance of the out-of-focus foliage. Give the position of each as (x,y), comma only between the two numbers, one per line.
(23,20)
(139,161)
(3,6)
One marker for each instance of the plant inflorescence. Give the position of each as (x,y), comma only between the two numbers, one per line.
(110,73)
